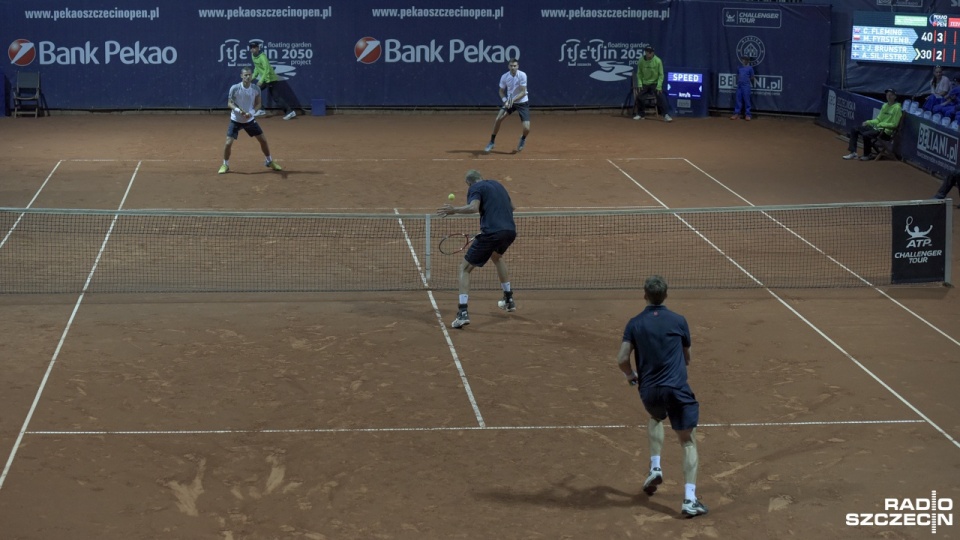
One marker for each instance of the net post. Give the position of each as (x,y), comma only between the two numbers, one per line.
(426,248)
(948,247)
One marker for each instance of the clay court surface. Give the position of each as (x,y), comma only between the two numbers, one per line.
(353,415)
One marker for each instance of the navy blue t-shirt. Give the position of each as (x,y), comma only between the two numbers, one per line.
(496,209)
(659,336)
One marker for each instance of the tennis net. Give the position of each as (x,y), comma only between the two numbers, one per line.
(132,251)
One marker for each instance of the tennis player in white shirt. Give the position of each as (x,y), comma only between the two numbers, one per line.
(513,94)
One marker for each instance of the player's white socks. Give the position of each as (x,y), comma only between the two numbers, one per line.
(690,492)
(654,462)
(463,299)
(226,162)
(269,159)
(505,286)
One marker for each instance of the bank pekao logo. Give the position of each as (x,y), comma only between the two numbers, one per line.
(21,52)
(752,47)
(932,512)
(367,50)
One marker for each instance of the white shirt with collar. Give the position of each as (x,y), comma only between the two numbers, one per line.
(243,98)
(513,84)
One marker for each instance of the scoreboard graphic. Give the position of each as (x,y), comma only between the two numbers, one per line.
(901,38)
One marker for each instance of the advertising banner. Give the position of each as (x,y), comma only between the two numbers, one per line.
(919,243)
(842,111)
(929,145)
(786,76)
(369,53)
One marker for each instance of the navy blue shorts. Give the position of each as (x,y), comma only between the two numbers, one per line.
(252,128)
(678,403)
(486,243)
(522,109)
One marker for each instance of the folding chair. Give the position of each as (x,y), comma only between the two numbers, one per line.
(647,101)
(886,145)
(27,92)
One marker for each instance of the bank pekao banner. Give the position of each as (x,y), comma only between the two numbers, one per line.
(385,53)
(919,243)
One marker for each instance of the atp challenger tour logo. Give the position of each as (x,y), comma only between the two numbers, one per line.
(933,512)
(919,247)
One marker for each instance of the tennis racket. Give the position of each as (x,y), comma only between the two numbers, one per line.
(455,243)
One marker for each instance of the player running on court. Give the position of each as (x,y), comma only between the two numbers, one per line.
(660,341)
(497,233)
(243,100)
(513,93)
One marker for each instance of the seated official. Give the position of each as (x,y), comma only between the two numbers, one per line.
(884,125)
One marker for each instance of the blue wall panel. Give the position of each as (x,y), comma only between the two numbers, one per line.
(159,53)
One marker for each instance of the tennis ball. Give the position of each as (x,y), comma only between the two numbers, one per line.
(451,196)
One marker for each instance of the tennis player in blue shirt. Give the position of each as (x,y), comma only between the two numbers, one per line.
(660,341)
(497,232)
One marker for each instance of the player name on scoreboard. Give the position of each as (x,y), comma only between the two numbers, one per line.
(905,38)
(884,44)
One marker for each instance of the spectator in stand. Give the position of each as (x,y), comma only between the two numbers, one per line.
(939,86)
(882,126)
(949,104)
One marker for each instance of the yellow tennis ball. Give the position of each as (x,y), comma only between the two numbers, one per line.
(451,196)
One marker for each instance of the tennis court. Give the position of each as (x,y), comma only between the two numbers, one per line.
(358,414)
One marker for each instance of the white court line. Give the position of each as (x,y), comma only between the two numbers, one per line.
(789,307)
(29,204)
(63,337)
(838,263)
(443,327)
(464,428)
(371,160)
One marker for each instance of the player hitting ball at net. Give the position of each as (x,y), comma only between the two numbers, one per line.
(497,232)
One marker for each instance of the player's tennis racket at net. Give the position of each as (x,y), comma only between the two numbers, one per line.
(455,243)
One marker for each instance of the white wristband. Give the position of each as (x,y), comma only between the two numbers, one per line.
(504,99)
(237,110)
